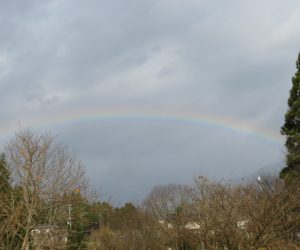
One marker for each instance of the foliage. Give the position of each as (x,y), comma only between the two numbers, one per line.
(5,184)
(291,128)
(8,196)
(129,228)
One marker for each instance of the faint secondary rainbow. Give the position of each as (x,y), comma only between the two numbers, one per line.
(121,114)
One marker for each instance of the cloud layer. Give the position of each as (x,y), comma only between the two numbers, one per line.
(230,59)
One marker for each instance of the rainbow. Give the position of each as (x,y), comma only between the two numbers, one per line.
(121,114)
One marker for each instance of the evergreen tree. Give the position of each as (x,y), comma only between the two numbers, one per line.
(291,129)
(4,175)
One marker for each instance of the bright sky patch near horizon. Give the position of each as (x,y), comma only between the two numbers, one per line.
(151,92)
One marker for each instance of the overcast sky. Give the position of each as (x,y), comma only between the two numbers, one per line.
(230,59)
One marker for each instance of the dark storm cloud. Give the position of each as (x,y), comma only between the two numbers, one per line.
(230,59)
(129,161)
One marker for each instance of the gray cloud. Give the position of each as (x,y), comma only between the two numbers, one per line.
(228,59)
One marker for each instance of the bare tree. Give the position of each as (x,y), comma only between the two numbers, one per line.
(45,173)
(167,204)
(165,200)
(247,216)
